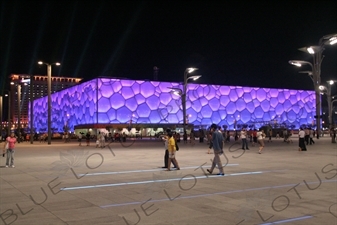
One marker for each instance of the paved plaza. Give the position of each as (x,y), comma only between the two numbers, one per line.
(124,184)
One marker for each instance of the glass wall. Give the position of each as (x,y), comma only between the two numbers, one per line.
(116,101)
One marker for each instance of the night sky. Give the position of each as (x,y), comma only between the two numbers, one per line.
(243,43)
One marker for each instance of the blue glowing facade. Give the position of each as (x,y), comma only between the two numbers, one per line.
(116,101)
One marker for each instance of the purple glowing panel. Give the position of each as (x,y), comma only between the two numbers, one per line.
(147,89)
(117,100)
(124,115)
(107,101)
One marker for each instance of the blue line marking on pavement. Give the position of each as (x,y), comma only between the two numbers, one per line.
(210,194)
(191,176)
(139,171)
(288,220)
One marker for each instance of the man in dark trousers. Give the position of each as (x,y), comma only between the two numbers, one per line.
(165,139)
(218,142)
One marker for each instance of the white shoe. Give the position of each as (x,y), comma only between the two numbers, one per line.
(13,166)
(6,166)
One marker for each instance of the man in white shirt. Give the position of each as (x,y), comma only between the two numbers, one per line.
(301,143)
(311,135)
(243,136)
(260,136)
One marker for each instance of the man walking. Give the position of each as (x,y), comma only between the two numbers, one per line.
(260,136)
(301,141)
(311,135)
(243,136)
(79,139)
(217,140)
(165,138)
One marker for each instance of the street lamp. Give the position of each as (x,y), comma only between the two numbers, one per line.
(333,127)
(9,113)
(49,95)
(30,82)
(327,91)
(19,109)
(31,109)
(334,99)
(183,92)
(316,81)
(1,118)
(316,52)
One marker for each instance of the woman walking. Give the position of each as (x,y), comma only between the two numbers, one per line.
(10,143)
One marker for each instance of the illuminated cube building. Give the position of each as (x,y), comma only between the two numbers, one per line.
(106,102)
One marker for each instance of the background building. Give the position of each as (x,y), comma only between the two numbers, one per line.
(106,102)
(39,89)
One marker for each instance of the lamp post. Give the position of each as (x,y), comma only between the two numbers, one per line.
(330,102)
(19,109)
(327,90)
(49,96)
(1,118)
(30,81)
(183,92)
(31,109)
(9,113)
(333,126)
(316,81)
(334,99)
(19,113)
(316,52)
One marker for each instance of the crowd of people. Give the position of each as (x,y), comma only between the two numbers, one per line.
(215,136)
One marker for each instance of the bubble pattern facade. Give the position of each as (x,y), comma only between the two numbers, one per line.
(117,101)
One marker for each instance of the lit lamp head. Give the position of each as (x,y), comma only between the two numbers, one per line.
(313,49)
(322,88)
(40,63)
(176,91)
(25,81)
(191,69)
(333,40)
(195,77)
(330,39)
(299,63)
(331,82)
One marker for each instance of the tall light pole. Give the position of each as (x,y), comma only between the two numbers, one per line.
(49,96)
(31,109)
(183,92)
(30,81)
(316,81)
(18,85)
(316,52)
(330,113)
(9,113)
(19,113)
(327,91)
(334,99)
(1,118)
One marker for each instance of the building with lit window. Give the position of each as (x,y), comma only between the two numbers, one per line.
(110,103)
(39,89)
